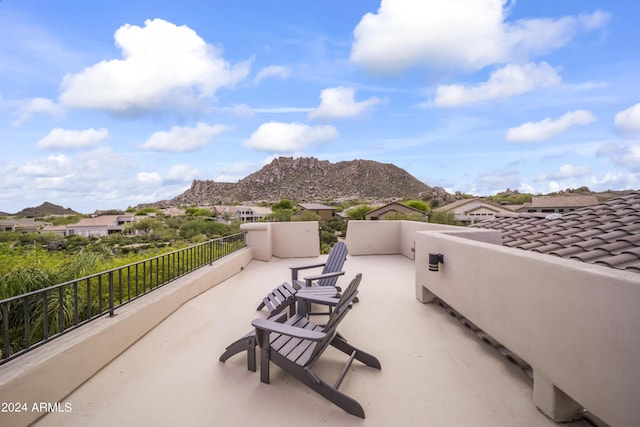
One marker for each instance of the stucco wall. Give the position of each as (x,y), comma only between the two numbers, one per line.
(51,372)
(283,239)
(576,324)
(386,237)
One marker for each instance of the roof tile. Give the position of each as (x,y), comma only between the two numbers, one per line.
(606,234)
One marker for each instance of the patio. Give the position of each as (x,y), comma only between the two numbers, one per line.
(434,371)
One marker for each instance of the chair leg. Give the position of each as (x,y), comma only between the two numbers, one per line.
(330,393)
(341,344)
(248,343)
(263,338)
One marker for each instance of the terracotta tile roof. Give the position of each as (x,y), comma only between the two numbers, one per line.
(563,201)
(605,234)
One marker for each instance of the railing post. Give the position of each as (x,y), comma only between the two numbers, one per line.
(5,331)
(111,296)
(210,252)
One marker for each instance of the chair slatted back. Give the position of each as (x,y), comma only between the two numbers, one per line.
(335,261)
(340,310)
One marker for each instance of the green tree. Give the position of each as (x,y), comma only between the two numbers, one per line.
(418,204)
(211,229)
(358,212)
(195,211)
(282,204)
(306,216)
(145,225)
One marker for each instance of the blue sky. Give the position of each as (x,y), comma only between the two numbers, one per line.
(107,104)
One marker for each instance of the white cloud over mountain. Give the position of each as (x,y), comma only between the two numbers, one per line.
(340,103)
(183,138)
(289,137)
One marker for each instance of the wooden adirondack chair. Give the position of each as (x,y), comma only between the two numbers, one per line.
(331,269)
(325,283)
(297,344)
(280,298)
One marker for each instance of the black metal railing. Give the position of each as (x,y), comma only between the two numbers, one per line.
(29,320)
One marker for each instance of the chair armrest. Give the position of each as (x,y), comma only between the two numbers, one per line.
(309,279)
(291,331)
(318,299)
(294,270)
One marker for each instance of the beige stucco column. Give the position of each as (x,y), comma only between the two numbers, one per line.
(552,401)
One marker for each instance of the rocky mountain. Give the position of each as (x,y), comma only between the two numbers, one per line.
(309,179)
(45,209)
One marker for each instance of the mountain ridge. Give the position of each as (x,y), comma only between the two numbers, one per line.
(306,179)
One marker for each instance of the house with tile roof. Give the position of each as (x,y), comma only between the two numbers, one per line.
(24,225)
(252,213)
(100,226)
(471,211)
(558,204)
(606,234)
(392,209)
(325,212)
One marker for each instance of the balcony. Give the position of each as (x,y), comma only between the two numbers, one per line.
(156,361)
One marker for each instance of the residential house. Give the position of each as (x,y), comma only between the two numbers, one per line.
(61,230)
(558,204)
(100,226)
(23,225)
(252,213)
(325,212)
(391,209)
(471,211)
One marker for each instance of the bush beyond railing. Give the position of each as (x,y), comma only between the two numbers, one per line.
(29,320)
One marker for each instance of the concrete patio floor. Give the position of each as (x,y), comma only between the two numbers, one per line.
(434,371)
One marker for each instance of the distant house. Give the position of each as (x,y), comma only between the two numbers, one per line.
(23,225)
(325,212)
(100,226)
(471,211)
(61,230)
(252,213)
(393,208)
(558,204)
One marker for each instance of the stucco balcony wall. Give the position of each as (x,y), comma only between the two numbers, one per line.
(283,239)
(387,237)
(576,324)
(52,371)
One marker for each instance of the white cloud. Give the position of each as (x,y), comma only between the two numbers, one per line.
(548,128)
(339,103)
(72,139)
(51,166)
(182,173)
(288,137)
(272,71)
(628,157)
(35,106)
(162,65)
(458,34)
(510,80)
(628,121)
(181,138)
(566,171)
(149,178)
